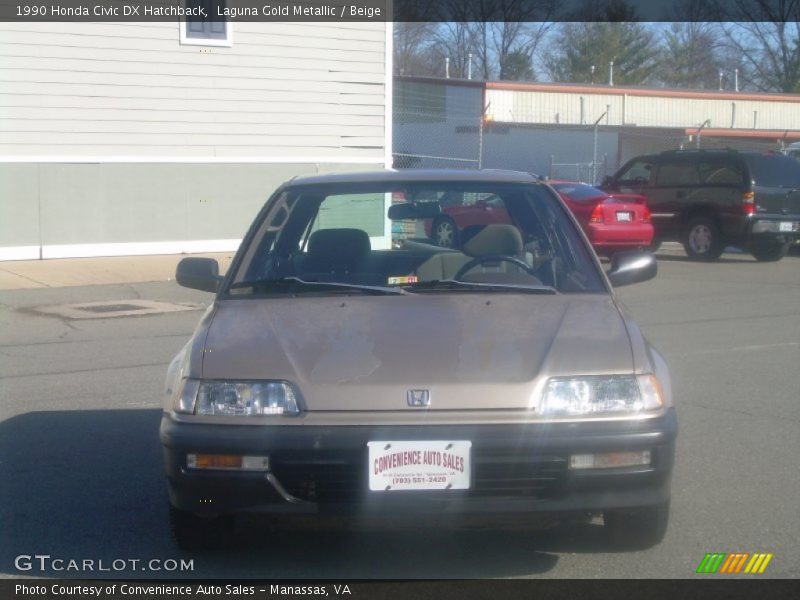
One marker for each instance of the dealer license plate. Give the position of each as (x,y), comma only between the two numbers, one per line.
(786,226)
(419,465)
(624,216)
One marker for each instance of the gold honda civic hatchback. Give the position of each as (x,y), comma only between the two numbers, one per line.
(352,365)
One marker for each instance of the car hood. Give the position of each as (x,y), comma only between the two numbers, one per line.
(471,351)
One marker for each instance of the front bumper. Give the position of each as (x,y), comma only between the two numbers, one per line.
(516,468)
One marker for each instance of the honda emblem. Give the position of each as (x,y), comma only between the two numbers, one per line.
(418,397)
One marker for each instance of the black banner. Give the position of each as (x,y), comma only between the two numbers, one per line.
(398,10)
(43,589)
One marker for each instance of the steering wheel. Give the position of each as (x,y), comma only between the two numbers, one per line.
(476,262)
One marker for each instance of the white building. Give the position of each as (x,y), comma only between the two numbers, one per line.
(150,138)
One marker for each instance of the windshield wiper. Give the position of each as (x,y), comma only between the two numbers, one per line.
(296,282)
(452,284)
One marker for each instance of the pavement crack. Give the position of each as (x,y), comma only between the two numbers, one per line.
(134,291)
(94,370)
(31,279)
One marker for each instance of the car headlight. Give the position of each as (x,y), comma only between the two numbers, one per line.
(234,398)
(601,395)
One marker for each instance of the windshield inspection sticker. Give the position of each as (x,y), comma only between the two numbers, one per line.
(403,280)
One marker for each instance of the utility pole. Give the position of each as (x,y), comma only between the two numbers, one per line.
(594,153)
(480,135)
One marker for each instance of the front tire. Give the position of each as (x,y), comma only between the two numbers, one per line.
(191,532)
(637,529)
(770,251)
(702,239)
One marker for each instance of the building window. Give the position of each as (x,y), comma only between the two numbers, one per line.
(214,31)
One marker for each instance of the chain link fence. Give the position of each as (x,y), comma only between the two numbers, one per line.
(443,126)
(437,126)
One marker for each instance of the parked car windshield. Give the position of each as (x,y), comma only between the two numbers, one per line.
(414,238)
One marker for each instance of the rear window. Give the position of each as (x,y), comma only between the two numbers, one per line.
(578,191)
(774,170)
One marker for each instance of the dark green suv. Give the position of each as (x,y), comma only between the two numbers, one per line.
(710,199)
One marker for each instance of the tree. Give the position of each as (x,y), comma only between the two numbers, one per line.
(412,48)
(516,65)
(690,56)
(489,30)
(580,46)
(502,27)
(452,41)
(763,36)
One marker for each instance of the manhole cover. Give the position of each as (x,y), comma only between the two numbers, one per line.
(115,308)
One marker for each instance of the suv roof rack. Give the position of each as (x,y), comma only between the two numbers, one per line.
(700,150)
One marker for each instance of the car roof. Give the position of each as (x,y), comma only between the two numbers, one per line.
(568,182)
(419,175)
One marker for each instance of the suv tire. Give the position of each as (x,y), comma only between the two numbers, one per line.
(702,239)
(769,251)
(637,529)
(192,532)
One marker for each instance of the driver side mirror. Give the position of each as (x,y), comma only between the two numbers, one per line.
(198,273)
(632,267)
(607,181)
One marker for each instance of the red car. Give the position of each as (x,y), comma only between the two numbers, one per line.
(457,214)
(612,222)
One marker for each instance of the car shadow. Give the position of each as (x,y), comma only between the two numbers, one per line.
(88,485)
(733,259)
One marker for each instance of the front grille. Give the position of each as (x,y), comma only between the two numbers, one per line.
(342,477)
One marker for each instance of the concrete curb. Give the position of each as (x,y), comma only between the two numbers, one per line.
(65,272)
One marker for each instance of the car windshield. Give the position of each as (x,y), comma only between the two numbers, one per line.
(419,238)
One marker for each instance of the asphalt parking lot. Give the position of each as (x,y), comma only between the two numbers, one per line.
(81,478)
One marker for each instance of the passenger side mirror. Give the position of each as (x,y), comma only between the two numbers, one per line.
(198,273)
(632,267)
